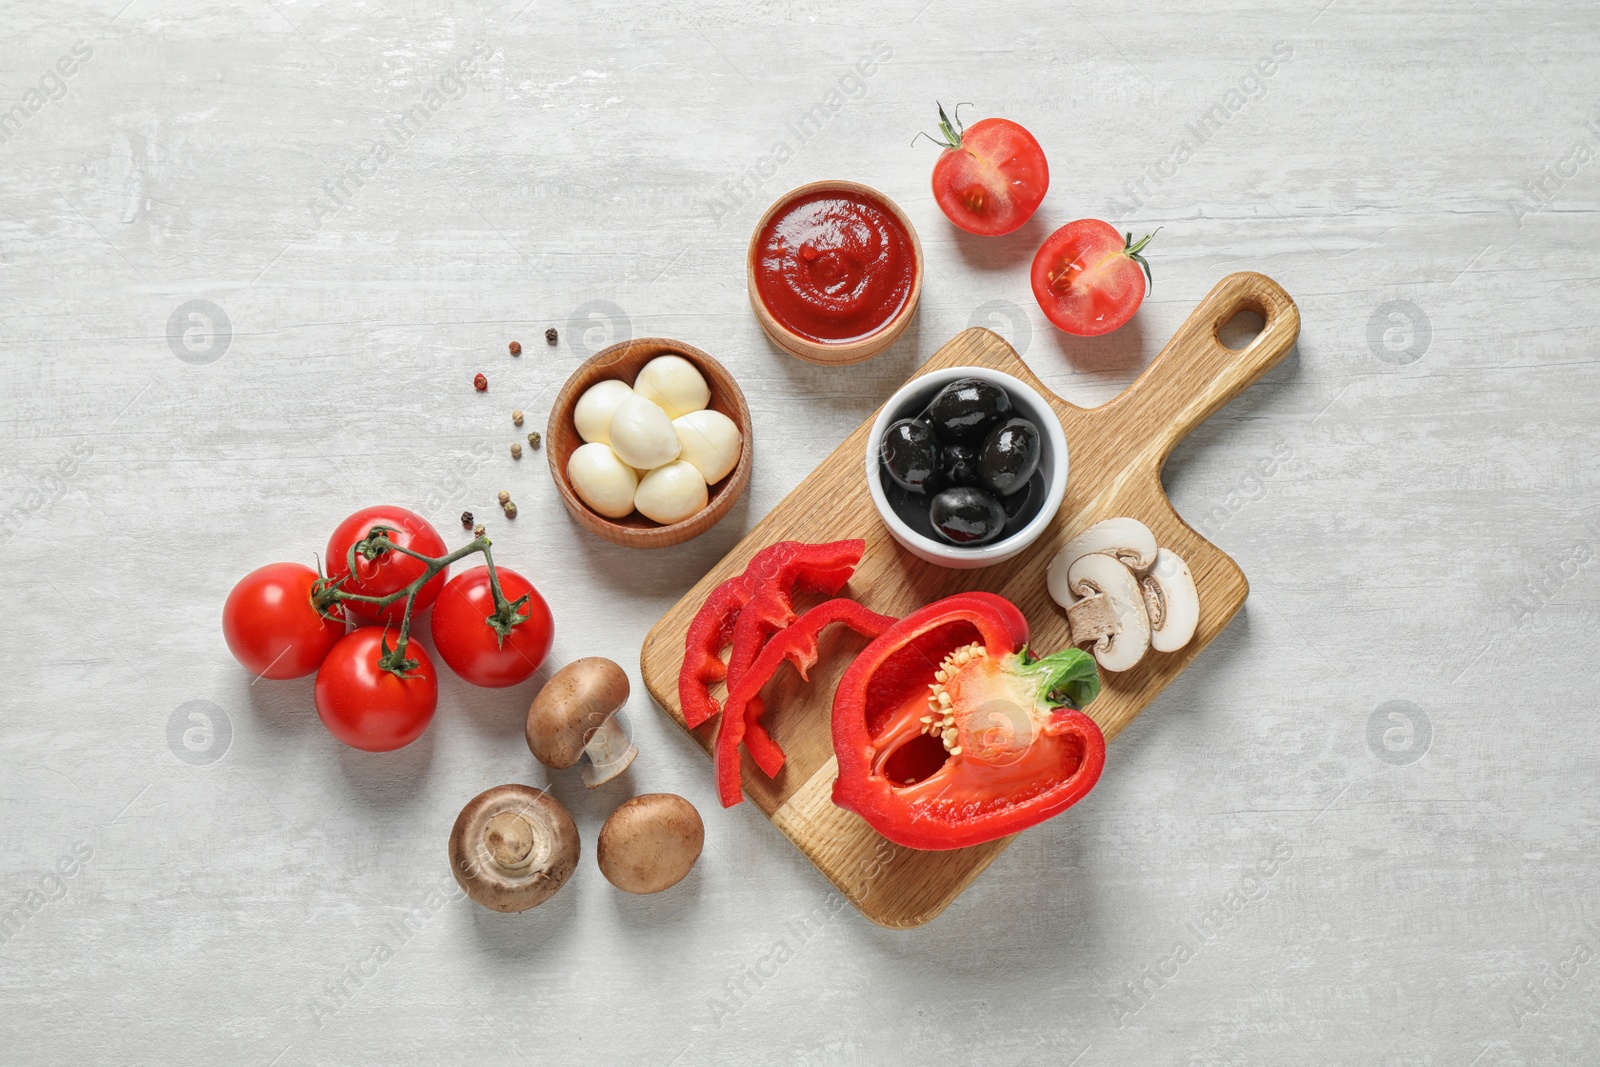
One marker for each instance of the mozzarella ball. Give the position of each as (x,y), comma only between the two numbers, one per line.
(674,384)
(710,441)
(642,435)
(595,407)
(602,480)
(671,493)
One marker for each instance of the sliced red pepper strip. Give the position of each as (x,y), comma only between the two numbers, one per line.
(949,734)
(750,633)
(798,644)
(785,566)
(768,611)
(767,753)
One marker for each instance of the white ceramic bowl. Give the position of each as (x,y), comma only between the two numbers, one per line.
(909,401)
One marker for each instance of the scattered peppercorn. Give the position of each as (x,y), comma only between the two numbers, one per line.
(516,450)
(516,417)
(504,498)
(533,439)
(466,520)
(550,336)
(480,383)
(477,531)
(510,509)
(516,348)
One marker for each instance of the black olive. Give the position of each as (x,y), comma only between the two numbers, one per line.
(910,453)
(911,507)
(966,516)
(960,465)
(962,410)
(1009,456)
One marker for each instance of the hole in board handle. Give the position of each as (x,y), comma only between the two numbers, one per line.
(1241,328)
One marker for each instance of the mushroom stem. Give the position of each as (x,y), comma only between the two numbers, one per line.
(1109,611)
(610,752)
(511,841)
(512,847)
(1090,619)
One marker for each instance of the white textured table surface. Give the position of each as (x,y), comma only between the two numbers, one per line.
(1360,829)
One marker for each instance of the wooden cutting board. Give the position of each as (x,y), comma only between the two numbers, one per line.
(1116,454)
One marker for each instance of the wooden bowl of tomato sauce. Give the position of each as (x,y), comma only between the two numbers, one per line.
(835,272)
(623,361)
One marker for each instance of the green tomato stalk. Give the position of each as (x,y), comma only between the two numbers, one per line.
(1134,250)
(950,131)
(325,593)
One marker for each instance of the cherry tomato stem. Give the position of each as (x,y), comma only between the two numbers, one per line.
(950,131)
(377,542)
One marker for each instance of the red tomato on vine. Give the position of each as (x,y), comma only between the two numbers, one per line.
(368,707)
(466,639)
(390,571)
(271,625)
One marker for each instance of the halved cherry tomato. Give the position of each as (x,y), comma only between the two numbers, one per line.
(272,627)
(1088,279)
(370,708)
(391,571)
(473,649)
(991,176)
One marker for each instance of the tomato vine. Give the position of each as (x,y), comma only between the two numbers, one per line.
(326,593)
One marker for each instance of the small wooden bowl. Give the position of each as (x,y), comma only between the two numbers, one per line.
(842,352)
(624,361)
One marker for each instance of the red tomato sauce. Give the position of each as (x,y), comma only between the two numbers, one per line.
(834,266)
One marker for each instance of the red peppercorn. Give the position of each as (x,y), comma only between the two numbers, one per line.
(516,348)
(480,383)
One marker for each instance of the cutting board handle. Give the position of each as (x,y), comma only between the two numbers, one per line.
(1195,374)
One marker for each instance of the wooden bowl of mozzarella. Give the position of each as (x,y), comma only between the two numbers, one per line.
(681,451)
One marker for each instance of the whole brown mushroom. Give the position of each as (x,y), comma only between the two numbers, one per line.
(650,843)
(512,847)
(575,715)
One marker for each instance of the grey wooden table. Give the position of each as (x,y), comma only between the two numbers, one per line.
(252,253)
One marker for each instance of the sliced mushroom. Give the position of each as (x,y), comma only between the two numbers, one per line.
(1172,602)
(650,843)
(575,715)
(1125,539)
(1107,609)
(512,847)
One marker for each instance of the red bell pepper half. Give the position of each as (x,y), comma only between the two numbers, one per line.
(948,733)
(798,644)
(783,568)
